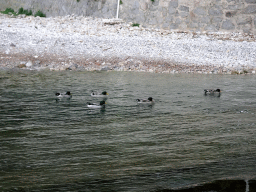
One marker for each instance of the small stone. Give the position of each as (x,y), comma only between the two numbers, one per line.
(29,64)
(105,69)
(21,66)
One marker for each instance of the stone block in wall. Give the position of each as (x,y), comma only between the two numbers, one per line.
(152,21)
(246,29)
(178,21)
(199,11)
(163,3)
(210,27)
(251,9)
(144,6)
(217,20)
(174,26)
(184,8)
(136,5)
(174,3)
(184,14)
(164,12)
(228,25)
(241,20)
(250,1)
(230,13)
(193,25)
(237,6)
(172,11)
(215,11)
(140,18)
(205,19)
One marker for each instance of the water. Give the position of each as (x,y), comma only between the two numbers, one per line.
(184,140)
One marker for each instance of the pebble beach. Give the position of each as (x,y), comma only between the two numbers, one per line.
(96,44)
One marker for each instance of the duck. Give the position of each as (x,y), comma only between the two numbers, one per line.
(63,95)
(96,106)
(212,91)
(97,94)
(145,101)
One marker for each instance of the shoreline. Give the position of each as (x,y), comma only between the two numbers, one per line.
(96,44)
(58,63)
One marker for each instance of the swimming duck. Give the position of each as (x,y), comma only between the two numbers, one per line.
(96,106)
(212,91)
(145,101)
(65,95)
(97,94)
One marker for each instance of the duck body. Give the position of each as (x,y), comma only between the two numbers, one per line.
(212,91)
(145,101)
(97,94)
(95,105)
(64,95)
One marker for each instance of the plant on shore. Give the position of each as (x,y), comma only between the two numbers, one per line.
(40,14)
(153,0)
(135,24)
(26,12)
(77,0)
(8,10)
(21,11)
(121,2)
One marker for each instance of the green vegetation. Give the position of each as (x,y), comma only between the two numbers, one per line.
(121,2)
(77,0)
(26,12)
(22,11)
(135,24)
(40,14)
(153,0)
(8,10)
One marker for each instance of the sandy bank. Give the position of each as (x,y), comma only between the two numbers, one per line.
(81,43)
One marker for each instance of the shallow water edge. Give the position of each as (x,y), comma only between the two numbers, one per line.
(54,62)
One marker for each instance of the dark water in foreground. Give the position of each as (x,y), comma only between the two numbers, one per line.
(185,139)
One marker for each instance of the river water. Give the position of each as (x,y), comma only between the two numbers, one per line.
(185,139)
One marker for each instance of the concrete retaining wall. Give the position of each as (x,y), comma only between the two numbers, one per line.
(178,15)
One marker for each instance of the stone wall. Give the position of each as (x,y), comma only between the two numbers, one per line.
(178,15)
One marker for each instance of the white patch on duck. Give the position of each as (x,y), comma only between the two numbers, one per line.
(96,106)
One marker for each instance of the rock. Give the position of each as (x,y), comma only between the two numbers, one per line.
(105,69)
(21,66)
(29,64)
(37,63)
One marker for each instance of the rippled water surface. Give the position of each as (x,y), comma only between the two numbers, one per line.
(185,139)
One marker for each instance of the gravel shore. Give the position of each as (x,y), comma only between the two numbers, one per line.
(85,43)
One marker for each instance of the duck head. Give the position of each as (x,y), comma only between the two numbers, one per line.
(104,93)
